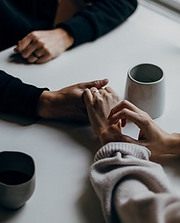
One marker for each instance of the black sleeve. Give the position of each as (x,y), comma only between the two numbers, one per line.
(97,19)
(17,97)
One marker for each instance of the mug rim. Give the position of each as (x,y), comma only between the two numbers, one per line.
(141,82)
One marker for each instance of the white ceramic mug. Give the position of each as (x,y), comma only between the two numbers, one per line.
(145,88)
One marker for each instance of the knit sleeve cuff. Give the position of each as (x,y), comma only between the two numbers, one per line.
(112,148)
(80,28)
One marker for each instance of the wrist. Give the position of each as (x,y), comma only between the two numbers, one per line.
(110,134)
(173,144)
(44,104)
(68,39)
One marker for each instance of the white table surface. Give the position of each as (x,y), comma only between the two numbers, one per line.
(63,152)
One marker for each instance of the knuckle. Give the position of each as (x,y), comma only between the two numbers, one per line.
(24,54)
(30,60)
(33,34)
(146,121)
(115,97)
(41,44)
(124,103)
(93,88)
(20,44)
(98,101)
(146,115)
(46,50)
(79,85)
(96,83)
(124,111)
(48,53)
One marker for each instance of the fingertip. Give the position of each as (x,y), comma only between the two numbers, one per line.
(104,81)
(123,122)
(15,49)
(87,96)
(85,91)
(101,83)
(19,43)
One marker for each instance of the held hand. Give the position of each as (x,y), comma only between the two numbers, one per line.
(67,103)
(99,104)
(150,135)
(42,46)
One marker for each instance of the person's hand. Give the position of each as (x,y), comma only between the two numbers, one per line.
(42,46)
(99,104)
(66,104)
(150,135)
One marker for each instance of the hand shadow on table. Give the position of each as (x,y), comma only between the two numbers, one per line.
(17,119)
(8,214)
(80,132)
(88,204)
(17,58)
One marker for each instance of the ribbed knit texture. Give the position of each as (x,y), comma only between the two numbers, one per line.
(131,188)
(125,148)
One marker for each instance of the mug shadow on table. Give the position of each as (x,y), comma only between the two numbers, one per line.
(7,214)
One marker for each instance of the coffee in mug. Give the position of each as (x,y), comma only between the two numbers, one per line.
(17,179)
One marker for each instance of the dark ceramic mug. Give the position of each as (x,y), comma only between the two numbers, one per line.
(17,179)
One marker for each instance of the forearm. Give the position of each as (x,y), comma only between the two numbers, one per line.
(67,38)
(98,19)
(130,186)
(17,97)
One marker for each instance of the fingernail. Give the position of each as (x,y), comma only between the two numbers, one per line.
(105,80)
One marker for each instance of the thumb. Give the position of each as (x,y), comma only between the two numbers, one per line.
(98,83)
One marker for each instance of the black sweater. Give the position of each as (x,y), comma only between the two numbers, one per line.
(19,17)
(17,97)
